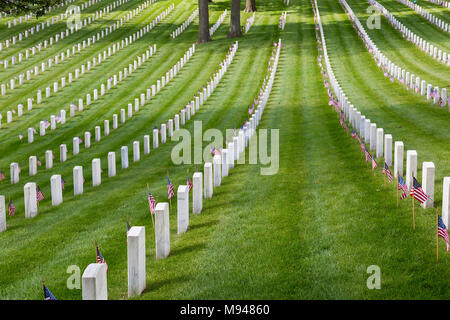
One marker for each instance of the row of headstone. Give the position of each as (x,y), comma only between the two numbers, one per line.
(94,280)
(427,15)
(57,36)
(41,26)
(87,136)
(61,56)
(131,67)
(433,51)
(218,23)
(95,61)
(249,23)
(395,72)
(442,3)
(383,143)
(282,21)
(185,24)
(22,19)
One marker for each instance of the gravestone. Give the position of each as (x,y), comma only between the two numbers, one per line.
(217,168)
(225,161)
(428,171)
(111,164)
(48,159)
(155,138)
(96,172)
(56,189)
(197,192)
(398,158)
(379,143)
(78,180)
(162,230)
(411,167)
(446,201)
(30,135)
(136,261)
(97,133)
(388,149)
(136,151)
(76,145)
(32,164)
(94,282)
(62,152)
(182,208)
(31,209)
(87,139)
(2,214)
(124,157)
(230,155)
(373,136)
(208,182)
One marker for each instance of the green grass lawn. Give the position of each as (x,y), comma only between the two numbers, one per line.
(308,232)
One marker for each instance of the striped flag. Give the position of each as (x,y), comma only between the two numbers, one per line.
(11,208)
(2,175)
(100,258)
(443,231)
(170,190)
(48,295)
(374,163)
(368,157)
(417,192)
(353,133)
(39,163)
(128,227)
(402,186)
(39,194)
(387,172)
(189,183)
(63,182)
(151,201)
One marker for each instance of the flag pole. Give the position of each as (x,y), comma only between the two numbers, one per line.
(398,177)
(437,234)
(151,214)
(412,199)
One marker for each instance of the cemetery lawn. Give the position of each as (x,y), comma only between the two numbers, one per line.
(308,232)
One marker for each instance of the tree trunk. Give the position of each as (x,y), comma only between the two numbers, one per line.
(235,20)
(250,6)
(203,22)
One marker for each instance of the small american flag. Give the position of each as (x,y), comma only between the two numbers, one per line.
(11,208)
(151,202)
(2,175)
(374,163)
(441,102)
(100,258)
(20,136)
(368,157)
(387,172)
(402,186)
(417,192)
(443,231)
(128,227)
(170,190)
(39,163)
(353,133)
(47,294)
(214,151)
(39,194)
(189,183)
(63,182)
